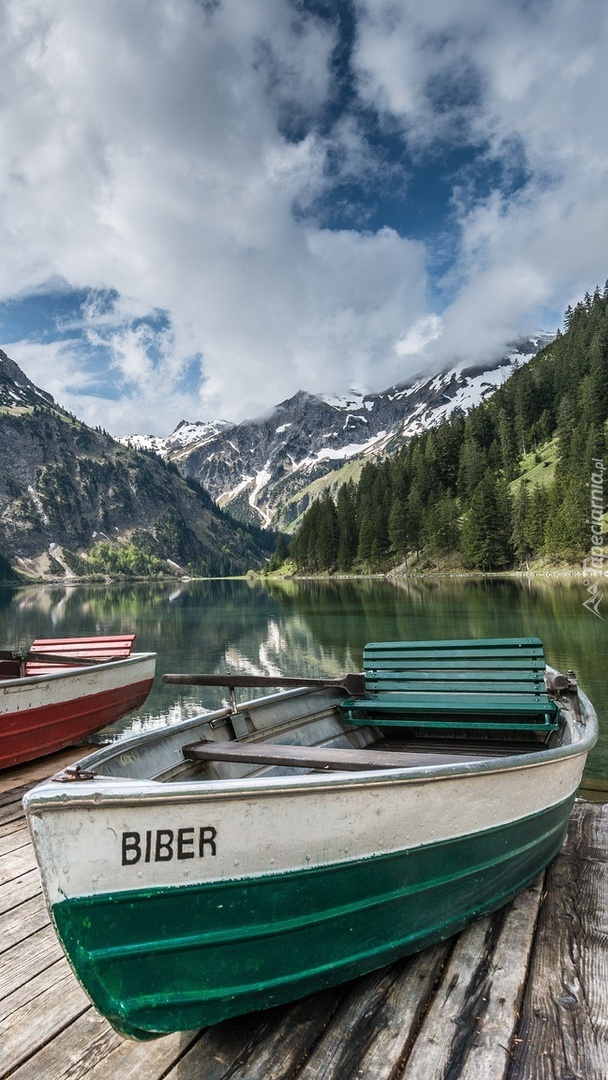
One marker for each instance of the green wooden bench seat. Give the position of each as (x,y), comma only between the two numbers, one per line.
(495,683)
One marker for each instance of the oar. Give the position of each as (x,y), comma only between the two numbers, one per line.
(352,684)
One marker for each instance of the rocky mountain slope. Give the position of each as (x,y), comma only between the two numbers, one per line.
(268,469)
(65,488)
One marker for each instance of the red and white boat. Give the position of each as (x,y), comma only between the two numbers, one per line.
(64,689)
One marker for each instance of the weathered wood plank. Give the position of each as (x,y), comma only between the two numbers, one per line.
(20,922)
(89,1048)
(34,1022)
(564,1016)
(136,1061)
(20,889)
(13,835)
(38,951)
(266,1045)
(369,1035)
(11,810)
(469,1027)
(13,794)
(31,772)
(10,815)
(16,863)
(74,1052)
(420,1019)
(320,757)
(9,827)
(39,984)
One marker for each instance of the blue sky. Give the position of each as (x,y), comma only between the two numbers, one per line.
(207,205)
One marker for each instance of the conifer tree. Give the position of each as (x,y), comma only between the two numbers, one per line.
(486,531)
(519,533)
(442,526)
(471,469)
(397,528)
(508,444)
(326,539)
(415,518)
(346,512)
(536,519)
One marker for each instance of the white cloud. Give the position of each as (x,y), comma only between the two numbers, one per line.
(143,153)
(533,81)
(143,150)
(419,335)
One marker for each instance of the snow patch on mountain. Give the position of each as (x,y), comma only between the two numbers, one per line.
(186,434)
(340,454)
(353,400)
(471,391)
(258,467)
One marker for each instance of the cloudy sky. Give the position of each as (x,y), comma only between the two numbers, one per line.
(206,205)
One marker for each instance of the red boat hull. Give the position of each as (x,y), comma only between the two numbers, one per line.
(78,703)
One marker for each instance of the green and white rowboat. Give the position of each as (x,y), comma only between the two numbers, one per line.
(246,858)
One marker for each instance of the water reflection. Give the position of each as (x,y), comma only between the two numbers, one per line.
(311,628)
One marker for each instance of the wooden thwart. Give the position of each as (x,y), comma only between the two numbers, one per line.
(319,757)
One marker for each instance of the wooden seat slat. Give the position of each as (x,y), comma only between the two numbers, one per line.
(456,702)
(85,646)
(487,675)
(446,684)
(471,644)
(534,664)
(458,723)
(462,654)
(320,757)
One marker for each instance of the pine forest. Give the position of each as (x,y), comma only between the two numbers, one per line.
(507,486)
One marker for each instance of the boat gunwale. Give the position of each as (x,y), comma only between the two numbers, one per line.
(131,791)
(69,672)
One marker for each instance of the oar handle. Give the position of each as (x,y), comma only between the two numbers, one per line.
(353,684)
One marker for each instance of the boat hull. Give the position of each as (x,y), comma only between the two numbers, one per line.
(233,947)
(45,713)
(170,927)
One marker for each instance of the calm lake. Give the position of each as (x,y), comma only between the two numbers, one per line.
(313,628)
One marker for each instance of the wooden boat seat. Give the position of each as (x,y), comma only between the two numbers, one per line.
(93,649)
(497,683)
(320,757)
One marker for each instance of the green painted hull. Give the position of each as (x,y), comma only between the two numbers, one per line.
(171,959)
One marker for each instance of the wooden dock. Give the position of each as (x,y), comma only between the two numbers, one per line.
(521,994)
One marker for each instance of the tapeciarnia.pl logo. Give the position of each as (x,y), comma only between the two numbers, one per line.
(597,557)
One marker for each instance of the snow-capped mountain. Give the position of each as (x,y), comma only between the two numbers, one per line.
(268,469)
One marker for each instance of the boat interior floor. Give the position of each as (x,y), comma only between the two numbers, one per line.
(379,755)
